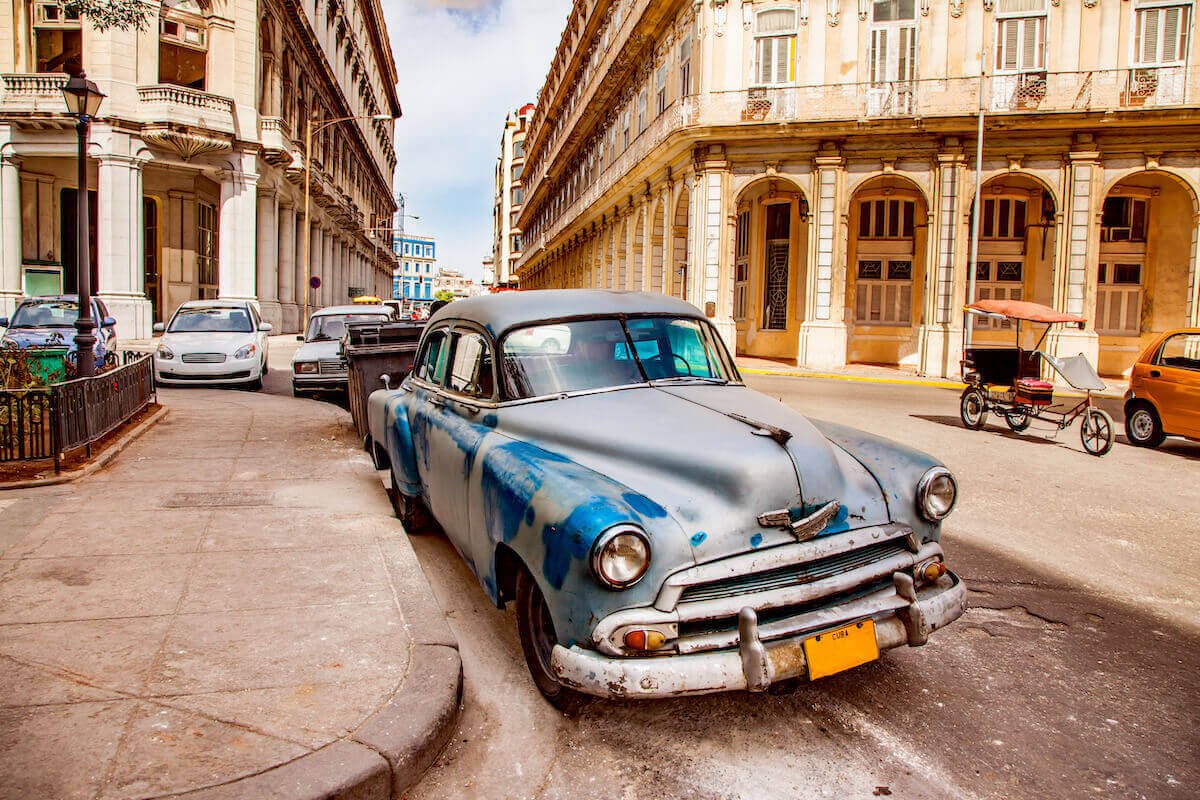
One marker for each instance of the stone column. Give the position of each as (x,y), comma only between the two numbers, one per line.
(268,259)
(316,245)
(337,291)
(303,241)
(713,273)
(289,319)
(120,242)
(823,332)
(1193,297)
(1077,263)
(941,333)
(236,240)
(10,234)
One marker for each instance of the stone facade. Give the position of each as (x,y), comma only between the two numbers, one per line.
(509,197)
(197,157)
(805,170)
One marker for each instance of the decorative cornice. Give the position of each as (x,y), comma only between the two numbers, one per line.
(187,144)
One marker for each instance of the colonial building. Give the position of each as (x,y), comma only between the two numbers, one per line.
(456,283)
(197,159)
(413,282)
(805,170)
(509,197)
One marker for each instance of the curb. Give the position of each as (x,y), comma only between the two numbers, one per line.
(102,460)
(928,382)
(392,748)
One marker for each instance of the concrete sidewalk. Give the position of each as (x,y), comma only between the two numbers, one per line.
(229,609)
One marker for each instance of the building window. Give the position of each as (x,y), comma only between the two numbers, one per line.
(1123,220)
(641,111)
(1021,40)
(206,251)
(886,218)
(625,129)
(516,242)
(893,58)
(685,67)
(58,39)
(518,195)
(775,47)
(998,280)
(741,268)
(1119,299)
(660,89)
(517,169)
(777,266)
(884,291)
(1161,37)
(518,148)
(1003,218)
(182,49)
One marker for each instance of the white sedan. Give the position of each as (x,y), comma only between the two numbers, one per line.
(213,342)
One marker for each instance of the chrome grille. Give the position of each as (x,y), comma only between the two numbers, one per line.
(331,366)
(203,358)
(793,574)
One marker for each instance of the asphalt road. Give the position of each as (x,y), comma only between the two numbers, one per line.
(1073,674)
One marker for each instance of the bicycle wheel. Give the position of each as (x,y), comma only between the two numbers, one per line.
(1096,432)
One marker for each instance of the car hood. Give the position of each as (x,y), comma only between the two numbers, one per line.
(40,337)
(315,351)
(683,448)
(208,342)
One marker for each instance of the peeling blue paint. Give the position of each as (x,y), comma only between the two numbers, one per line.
(644,505)
(490,420)
(756,540)
(699,538)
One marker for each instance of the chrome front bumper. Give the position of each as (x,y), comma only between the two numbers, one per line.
(903,615)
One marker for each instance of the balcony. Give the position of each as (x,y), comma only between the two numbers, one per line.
(278,147)
(180,105)
(33,93)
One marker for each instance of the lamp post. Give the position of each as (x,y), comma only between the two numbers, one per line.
(83,100)
(312,128)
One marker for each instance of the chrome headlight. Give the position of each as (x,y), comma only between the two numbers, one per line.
(621,556)
(165,353)
(245,352)
(305,367)
(936,494)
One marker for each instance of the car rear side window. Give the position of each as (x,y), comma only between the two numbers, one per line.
(432,365)
(1181,351)
(471,365)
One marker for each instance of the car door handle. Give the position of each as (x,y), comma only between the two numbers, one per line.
(435,400)
(1155,373)
(467,409)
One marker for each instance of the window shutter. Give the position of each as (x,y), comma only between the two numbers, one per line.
(908,53)
(1149,44)
(879,47)
(1031,44)
(1171,27)
(1009,35)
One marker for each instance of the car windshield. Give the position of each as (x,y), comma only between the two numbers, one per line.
(47,314)
(333,326)
(566,357)
(211,319)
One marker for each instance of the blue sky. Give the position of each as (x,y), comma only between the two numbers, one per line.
(462,65)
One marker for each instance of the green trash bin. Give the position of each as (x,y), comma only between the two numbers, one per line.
(48,365)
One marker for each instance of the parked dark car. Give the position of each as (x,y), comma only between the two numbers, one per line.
(50,322)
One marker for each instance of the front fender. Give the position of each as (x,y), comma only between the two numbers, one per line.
(388,423)
(896,468)
(550,510)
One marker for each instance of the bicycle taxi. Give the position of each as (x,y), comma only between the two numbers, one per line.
(1008,380)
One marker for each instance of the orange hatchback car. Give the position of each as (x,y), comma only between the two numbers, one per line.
(1164,390)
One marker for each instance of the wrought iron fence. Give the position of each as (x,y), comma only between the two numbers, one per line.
(47,423)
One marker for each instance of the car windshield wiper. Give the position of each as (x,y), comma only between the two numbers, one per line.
(679,378)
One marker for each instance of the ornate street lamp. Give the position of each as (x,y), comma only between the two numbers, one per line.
(83,98)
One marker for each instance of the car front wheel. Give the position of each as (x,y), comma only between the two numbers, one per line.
(1143,428)
(536,630)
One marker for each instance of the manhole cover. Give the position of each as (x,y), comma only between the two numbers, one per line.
(217,499)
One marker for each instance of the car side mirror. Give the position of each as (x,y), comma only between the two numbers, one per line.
(265,327)
(108,322)
(3,322)
(159,327)
(387,381)
(300,337)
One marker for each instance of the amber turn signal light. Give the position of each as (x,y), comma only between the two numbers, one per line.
(644,639)
(932,571)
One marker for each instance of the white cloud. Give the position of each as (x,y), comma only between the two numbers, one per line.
(463,65)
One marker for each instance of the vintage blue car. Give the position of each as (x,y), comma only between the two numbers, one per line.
(662,528)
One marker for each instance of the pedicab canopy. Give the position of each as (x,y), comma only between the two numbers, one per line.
(1024,310)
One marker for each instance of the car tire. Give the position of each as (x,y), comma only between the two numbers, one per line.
(411,511)
(972,409)
(255,385)
(1143,428)
(536,631)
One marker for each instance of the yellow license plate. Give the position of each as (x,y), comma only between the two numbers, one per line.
(840,649)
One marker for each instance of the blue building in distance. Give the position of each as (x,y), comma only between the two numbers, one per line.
(412,283)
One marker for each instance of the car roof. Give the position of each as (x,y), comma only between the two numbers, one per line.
(499,312)
(53,298)
(361,308)
(215,304)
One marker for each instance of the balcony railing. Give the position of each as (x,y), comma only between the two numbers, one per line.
(278,147)
(1125,90)
(169,103)
(33,92)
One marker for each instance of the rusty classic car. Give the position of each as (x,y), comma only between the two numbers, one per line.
(661,528)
